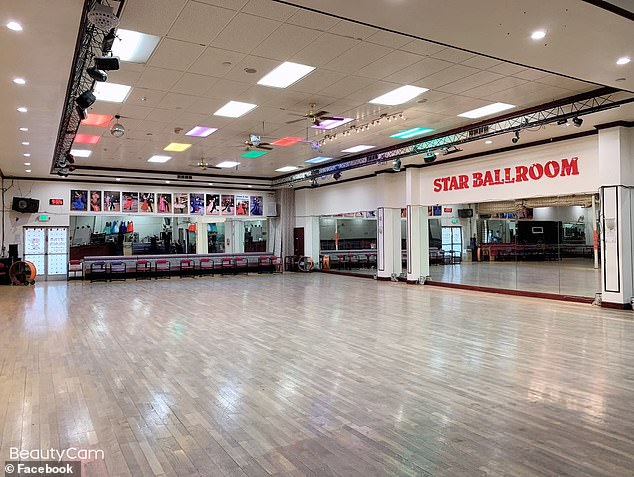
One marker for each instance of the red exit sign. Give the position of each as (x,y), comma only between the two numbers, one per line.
(55,201)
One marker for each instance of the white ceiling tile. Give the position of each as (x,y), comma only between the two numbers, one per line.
(194,84)
(128,73)
(454,105)
(454,55)
(531,74)
(567,83)
(175,54)
(469,82)
(348,85)
(324,49)
(262,65)
(372,91)
(387,38)
(158,78)
(227,90)
(389,64)
(134,111)
(177,101)
(211,62)
(422,47)
(245,32)
(268,9)
(200,23)
(206,106)
(352,30)
(529,93)
(151,16)
(501,84)
(506,68)
(445,76)
(419,70)
(189,120)
(284,42)
(357,57)
(319,80)
(316,21)
(165,115)
(481,62)
(231,4)
(146,98)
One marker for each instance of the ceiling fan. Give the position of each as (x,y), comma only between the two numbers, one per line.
(314,116)
(255,141)
(203,165)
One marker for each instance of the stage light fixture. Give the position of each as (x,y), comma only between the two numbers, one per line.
(516,139)
(337,175)
(108,41)
(107,63)
(429,158)
(97,74)
(82,113)
(314,183)
(577,121)
(562,122)
(396,165)
(86,99)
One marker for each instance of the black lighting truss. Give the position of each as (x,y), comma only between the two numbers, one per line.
(603,99)
(89,44)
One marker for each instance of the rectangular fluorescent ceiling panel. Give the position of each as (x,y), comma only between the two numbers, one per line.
(177,147)
(86,139)
(112,92)
(134,46)
(317,160)
(253,154)
(99,120)
(201,131)
(235,109)
(287,169)
(411,133)
(331,123)
(399,95)
(359,148)
(159,159)
(81,152)
(285,75)
(228,164)
(486,110)
(287,141)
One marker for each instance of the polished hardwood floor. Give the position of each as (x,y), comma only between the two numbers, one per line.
(315,375)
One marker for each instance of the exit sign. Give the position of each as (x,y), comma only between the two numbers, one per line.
(55,201)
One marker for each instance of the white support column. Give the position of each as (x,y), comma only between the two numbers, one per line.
(238,236)
(311,237)
(389,243)
(202,246)
(229,237)
(417,243)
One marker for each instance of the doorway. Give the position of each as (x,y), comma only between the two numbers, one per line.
(47,249)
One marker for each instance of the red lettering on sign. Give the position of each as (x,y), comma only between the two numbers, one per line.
(551,169)
(520,174)
(536,171)
(477,179)
(437,185)
(464,181)
(569,167)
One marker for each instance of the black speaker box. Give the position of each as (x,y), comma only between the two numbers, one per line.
(13,251)
(22,204)
(465,213)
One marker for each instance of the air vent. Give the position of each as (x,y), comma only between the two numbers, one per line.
(183,176)
(478,131)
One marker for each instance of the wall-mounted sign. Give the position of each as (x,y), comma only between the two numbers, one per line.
(43,218)
(55,201)
(508,175)
(447,210)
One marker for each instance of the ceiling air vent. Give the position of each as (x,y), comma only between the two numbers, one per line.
(183,176)
(478,131)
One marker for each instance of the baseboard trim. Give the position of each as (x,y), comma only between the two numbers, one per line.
(616,306)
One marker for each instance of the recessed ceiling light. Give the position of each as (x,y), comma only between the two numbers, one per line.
(177,147)
(27,163)
(538,34)
(624,60)
(19,80)
(235,109)
(99,120)
(167,182)
(24,129)
(318,159)
(86,139)
(411,133)
(285,75)
(287,169)
(488,142)
(117,179)
(227,164)
(25,143)
(210,183)
(486,110)
(112,92)
(287,141)
(399,95)
(201,131)
(250,186)
(26,154)
(331,123)
(81,152)
(253,154)
(159,159)
(22,109)
(359,148)
(27,170)
(15,26)
(134,46)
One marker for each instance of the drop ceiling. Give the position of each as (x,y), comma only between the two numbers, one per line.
(199,65)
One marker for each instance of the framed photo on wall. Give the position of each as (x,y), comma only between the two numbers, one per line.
(180,205)
(242,205)
(111,201)
(256,205)
(212,206)
(146,202)
(227,204)
(164,203)
(130,201)
(79,200)
(197,204)
(95,201)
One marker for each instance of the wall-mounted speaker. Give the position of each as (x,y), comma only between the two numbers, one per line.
(24,205)
(465,213)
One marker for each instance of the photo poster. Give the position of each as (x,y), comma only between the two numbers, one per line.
(111,201)
(242,204)
(197,204)
(130,201)
(212,204)
(79,200)
(180,203)
(146,202)
(257,205)
(436,210)
(95,201)
(227,204)
(164,202)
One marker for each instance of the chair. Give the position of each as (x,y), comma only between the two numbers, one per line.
(276,264)
(205,266)
(186,267)
(143,270)
(344,261)
(264,263)
(3,272)
(227,265)
(74,267)
(241,264)
(99,271)
(162,268)
(354,261)
(118,270)
(372,260)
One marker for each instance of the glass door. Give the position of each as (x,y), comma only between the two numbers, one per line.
(452,240)
(47,249)
(35,248)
